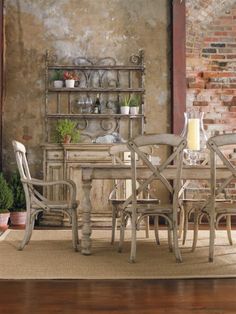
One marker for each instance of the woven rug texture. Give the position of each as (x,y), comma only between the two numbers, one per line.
(50,255)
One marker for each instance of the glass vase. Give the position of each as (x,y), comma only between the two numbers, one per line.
(196,137)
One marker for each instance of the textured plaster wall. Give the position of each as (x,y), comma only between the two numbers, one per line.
(71,28)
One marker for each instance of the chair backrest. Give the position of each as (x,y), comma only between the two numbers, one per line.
(121,155)
(22,163)
(177,144)
(217,145)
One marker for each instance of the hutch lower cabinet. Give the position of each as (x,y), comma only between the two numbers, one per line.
(64,161)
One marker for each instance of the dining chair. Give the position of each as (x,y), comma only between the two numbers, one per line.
(120,154)
(193,195)
(37,203)
(218,146)
(168,210)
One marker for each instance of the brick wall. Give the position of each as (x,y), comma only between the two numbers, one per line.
(211,72)
(211,68)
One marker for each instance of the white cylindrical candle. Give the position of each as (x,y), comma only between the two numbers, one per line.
(193,136)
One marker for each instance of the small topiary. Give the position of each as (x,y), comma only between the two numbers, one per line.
(67,127)
(6,196)
(19,203)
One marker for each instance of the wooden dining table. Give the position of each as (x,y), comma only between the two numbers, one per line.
(92,172)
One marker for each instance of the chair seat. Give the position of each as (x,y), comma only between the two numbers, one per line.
(152,210)
(225,206)
(139,201)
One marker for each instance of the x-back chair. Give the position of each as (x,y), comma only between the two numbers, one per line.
(169,211)
(122,188)
(227,208)
(36,202)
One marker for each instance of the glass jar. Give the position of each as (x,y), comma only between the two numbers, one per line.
(196,137)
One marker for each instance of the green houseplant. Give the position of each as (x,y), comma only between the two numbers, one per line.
(124,105)
(70,77)
(18,208)
(67,132)
(134,104)
(57,78)
(6,201)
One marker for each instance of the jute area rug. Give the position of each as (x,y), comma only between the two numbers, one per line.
(49,255)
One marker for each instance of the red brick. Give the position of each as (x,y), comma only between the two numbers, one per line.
(229,85)
(213,85)
(230,115)
(231,56)
(215,74)
(230,103)
(217,57)
(197,85)
(208,121)
(200,103)
(210,39)
(221,33)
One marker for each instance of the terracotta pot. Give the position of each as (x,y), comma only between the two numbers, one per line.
(4,217)
(67,139)
(18,218)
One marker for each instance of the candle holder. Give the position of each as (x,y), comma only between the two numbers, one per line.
(196,137)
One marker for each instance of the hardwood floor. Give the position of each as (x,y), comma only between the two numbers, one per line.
(118,296)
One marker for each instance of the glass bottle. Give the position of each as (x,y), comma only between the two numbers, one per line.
(97,105)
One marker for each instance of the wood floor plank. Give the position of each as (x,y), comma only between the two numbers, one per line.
(118,296)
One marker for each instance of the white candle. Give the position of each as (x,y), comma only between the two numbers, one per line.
(193,136)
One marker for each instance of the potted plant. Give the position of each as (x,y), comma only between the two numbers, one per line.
(57,78)
(124,105)
(18,208)
(6,201)
(67,132)
(70,77)
(134,104)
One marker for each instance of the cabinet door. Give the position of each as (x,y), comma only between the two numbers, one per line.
(55,172)
(99,193)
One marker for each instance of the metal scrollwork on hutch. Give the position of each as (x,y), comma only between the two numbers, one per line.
(96,76)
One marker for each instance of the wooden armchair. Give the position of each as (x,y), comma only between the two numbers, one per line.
(36,202)
(169,210)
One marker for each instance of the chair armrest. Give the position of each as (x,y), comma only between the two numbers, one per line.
(69,183)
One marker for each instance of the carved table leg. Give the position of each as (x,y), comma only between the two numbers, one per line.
(86,218)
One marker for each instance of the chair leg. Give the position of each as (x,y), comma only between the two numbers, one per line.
(181,221)
(28,231)
(113,226)
(156,229)
(185,226)
(122,232)
(147,226)
(133,239)
(212,238)
(169,235)
(228,225)
(195,229)
(75,236)
(175,240)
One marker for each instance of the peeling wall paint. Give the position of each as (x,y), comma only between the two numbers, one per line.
(72,28)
